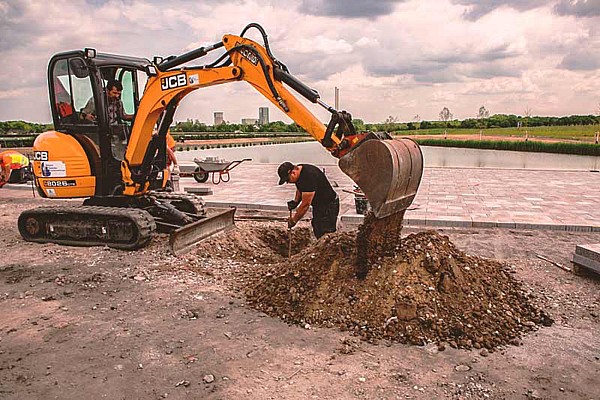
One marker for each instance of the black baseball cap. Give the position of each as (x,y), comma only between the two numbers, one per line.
(284,172)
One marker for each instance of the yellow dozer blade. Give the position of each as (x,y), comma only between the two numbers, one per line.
(185,238)
(387,171)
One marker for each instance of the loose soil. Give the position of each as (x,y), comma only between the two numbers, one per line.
(102,323)
(418,290)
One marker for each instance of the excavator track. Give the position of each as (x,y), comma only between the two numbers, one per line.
(120,228)
(186,202)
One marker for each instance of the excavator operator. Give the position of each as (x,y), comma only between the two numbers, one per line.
(312,188)
(116,112)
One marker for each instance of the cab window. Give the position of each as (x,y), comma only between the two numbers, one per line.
(72,90)
(128,93)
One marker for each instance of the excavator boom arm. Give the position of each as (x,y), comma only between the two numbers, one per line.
(399,166)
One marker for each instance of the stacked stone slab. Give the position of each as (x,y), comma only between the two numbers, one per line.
(588,256)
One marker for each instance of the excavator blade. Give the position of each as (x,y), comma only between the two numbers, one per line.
(387,171)
(183,239)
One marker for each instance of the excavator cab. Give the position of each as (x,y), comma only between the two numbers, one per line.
(81,108)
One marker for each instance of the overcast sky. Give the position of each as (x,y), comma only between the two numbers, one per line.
(399,58)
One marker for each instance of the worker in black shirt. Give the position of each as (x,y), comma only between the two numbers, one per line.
(312,188)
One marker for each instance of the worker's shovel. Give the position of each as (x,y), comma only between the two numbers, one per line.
(290,239)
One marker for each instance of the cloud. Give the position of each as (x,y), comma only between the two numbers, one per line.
(578,8)
(348,8)
(446,64)
(12,20)
(479,8)
(581,59)
(408,61)
(489,71)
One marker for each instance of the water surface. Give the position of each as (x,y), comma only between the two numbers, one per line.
(314,153)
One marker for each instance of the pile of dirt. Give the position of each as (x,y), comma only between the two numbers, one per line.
(418,290)
(263,243)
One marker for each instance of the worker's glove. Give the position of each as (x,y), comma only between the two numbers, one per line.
(292,204)
(175,169)
(291,223)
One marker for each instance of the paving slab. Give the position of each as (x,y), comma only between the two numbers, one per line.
(463,197)
(588,256)
(466,197)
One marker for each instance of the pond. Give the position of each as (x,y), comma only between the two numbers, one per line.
(314,153)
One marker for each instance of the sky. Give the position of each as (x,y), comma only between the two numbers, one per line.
(405,59)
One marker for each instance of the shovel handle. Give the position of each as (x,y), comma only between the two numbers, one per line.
(290,239)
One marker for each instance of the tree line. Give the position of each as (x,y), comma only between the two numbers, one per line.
(197,126)
(494,121)
(391,124)
(23,127)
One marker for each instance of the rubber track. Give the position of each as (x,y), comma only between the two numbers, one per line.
(196,201)
(142,220)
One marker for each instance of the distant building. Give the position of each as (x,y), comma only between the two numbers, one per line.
(249,121)
(219,118)
(263,115)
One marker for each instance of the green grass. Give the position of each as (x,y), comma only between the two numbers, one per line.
(578,132)
(584,149)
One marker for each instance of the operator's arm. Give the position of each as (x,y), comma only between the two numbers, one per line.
(307,198)
(89,111)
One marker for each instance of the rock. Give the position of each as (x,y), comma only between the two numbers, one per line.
(362,379)
(183,383)
(484,353)
(208,378)
(462,368)
(533,394)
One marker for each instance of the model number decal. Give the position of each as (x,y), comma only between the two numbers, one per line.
(172,82)
(60,183)
(40,156)
(249,55)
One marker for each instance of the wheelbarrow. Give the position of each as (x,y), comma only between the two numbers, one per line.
(217,168)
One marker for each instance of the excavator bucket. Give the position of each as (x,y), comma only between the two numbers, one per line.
(183,239)
(387,171)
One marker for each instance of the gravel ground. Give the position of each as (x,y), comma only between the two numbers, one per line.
(101,323)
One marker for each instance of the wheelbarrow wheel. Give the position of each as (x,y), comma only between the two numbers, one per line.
(200,176)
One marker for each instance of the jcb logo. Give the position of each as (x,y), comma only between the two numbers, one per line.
(173,82)
(40,156)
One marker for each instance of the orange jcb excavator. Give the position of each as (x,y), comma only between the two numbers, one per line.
(120,166)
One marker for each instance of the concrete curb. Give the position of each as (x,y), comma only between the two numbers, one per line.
(351,219)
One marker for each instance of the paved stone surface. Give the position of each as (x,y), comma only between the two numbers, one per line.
(447,197)
(520,199)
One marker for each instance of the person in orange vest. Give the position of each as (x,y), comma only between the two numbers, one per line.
(12,162)
(171,158)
